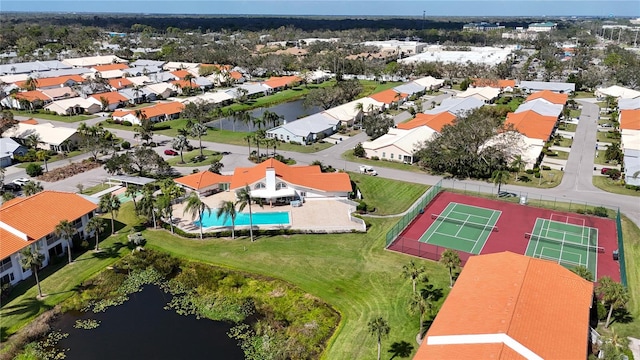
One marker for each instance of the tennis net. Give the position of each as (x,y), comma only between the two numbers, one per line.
(592,248)
(464,222)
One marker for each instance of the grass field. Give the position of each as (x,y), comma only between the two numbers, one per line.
(605,136)
(631,234)
(96,189)
(41,115)
(562,155)
(348,155)
(568,127)
(211,156)
(607,184)
(387,197)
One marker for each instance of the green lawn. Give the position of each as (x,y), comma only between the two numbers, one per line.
(600,159)
(568,127)
(574,113)
(582,95)
(387,196)
(189,156)
(631,236)
(562,155)
(60,281)
(564,142)
(96,189)
(605,136)
(53,158)
(42,115)
(607,184)
(348,155)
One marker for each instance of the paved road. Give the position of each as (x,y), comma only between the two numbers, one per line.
(576,184)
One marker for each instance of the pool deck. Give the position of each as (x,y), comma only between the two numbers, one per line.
(315,215)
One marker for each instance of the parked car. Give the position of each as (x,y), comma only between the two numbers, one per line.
(606,125)
(604,171)
(170,152)
(366,169)
(11,187)
(21,181)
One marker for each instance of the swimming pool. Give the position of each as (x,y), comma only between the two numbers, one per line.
(261,218)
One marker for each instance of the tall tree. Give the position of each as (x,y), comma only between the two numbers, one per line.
(518,163)
(413,272)
(227,209)
(270,118)
(95,225)
(32,188)
(32,259)
(144,131)
(379,328)
(170,192)
(110,203)
(66,230)
(612,294)
(147,204)
(131,191)
(198,130)
(196,208)
(245,199)
(43,155)
(451,260)
(180,142)
(500,177)
(31,83)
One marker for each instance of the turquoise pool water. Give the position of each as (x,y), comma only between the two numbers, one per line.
(261,218)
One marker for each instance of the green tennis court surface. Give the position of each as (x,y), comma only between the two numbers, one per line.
(567,244)
(462,227)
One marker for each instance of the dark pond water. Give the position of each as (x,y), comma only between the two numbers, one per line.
(141,329)
(291,111)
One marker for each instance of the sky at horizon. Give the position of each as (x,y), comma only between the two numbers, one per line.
(477,8)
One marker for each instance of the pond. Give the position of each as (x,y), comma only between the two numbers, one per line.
(142,329)
(291,111)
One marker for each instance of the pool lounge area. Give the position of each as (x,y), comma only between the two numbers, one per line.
(242,219)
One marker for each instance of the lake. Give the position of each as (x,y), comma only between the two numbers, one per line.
(291,111)
(142,329)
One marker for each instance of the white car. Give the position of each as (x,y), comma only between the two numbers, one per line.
(20,181)
(365,169)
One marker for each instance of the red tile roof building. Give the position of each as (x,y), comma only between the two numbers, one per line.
(510,306)
(434,121)
(550,96)
(389,96)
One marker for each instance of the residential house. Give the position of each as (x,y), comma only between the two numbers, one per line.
(542,107)
(25,100)
(487,94)
(73,106)
(503,85)
(277,183)
(306,130)
(52,137)
(549,96)
(632,166)
(389,97)
(56,82)
(204,182)
(411,88)
(161,77)
(280,83)
(251,90)
(119,83)
(161,90)
(617,92)
(144,62)
(90,61)
(559,87)
(31,222)
(629,104)
(31,67)
(535,131)
(429,82)
(352,111)
(155,113)
(172,65)
(515,144)
(60,93)
(108,67)
(141,80)
(113,100)
(433,121)
(630,129)
(9,148)
(511,306)
(216,97)
(398,144)
(142,70)
(138,95)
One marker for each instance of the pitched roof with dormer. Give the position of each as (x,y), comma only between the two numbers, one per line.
(511,306)
(305,176)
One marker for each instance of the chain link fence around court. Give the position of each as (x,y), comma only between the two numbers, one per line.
(424,250)
(623,265)
(414,210)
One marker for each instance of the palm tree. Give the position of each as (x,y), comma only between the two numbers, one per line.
(170,192)
(132,192)
(30,259)
(180,142)
(33,140)
(66,230)
(401,349)
(249,138)
(420,303)
(380,329)
(271,118)
(43,155)
(110,203)
(500,177)
(583,272)
(244,198)
(95,225)
(147,204)
(227,209)
(190,79)
(414,272)
(613,294)
(31,83)
(198,130)
(518,163)
(31,188)
(196,207)
(450,259)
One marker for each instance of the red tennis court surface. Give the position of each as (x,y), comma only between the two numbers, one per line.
(515,221)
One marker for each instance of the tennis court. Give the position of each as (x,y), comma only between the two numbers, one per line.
(565,240)
(462,227)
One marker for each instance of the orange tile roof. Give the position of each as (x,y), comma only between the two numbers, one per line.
(630,119)
(119,83)
(511,299)
(500,84)
(114,97)
(280,81)
(434,121)
(550,96)
(235,75)
(54,81)
(184,83)
(111,67)
(37,215)
(181,73)
(31,121)
(11,244)
(387,96)
(531,124)
(203,179)
(32,95)
(305,176)
(169,108)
